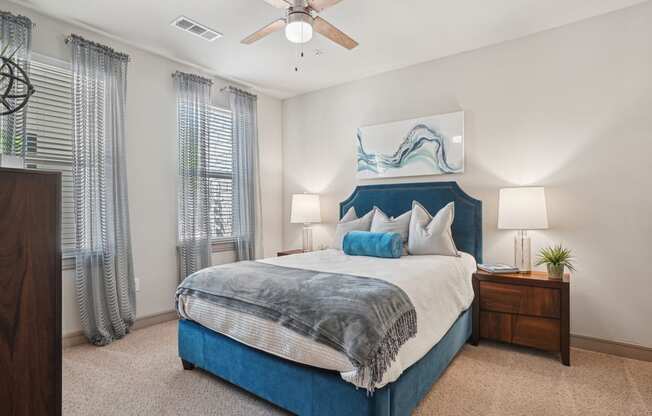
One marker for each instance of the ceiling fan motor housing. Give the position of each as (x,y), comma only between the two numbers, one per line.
(299,14)
(298,4)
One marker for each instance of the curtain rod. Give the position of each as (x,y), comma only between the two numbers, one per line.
(230,88)
(18,17)
(100,46)
(195,77)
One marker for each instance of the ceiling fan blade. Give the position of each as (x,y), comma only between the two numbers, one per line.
(320,5)
(333,33)
(275,26)
(281,4)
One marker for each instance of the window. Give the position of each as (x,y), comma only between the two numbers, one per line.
(220,174)
(49,135)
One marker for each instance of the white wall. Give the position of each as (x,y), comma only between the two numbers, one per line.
(569,109)
(151,164)
(270,121)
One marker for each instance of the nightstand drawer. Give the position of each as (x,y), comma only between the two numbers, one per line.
(543,333)
(527,300)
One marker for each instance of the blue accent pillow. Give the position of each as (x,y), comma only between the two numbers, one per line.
(365,243)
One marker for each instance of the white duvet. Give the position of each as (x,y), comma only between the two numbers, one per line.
(439,287)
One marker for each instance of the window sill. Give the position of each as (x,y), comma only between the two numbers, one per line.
(217,246)
(222,245)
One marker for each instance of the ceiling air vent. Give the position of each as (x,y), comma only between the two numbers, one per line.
(197,29)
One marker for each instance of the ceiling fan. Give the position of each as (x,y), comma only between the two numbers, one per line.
(300,21)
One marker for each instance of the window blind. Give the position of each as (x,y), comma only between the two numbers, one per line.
(49,135)
(220,173)
(50,141)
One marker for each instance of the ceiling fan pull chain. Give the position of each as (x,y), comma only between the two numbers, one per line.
(296,67)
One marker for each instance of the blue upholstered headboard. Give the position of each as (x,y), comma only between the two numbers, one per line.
(395,199)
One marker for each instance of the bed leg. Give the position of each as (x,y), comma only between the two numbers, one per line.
(187,365)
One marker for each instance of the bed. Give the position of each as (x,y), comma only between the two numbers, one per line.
(306,387)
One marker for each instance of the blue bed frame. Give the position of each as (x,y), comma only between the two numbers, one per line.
(310,391)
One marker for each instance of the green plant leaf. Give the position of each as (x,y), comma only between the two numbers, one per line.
(556,255)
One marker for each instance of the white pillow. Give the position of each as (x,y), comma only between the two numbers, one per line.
(430,235)
(381,223)
(351,222)
(350,215)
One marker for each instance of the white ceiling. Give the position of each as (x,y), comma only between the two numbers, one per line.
(392,33)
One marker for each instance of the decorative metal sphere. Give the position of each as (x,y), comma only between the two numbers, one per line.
(10,75)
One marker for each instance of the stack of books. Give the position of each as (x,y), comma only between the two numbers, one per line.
(498,268)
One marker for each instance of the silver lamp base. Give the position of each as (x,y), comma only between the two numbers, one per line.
(522,259)
(307,238)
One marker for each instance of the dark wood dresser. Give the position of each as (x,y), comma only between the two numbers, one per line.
(527,309)
(30,293)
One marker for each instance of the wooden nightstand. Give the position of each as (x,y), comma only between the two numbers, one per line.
(289,252)
(523,308)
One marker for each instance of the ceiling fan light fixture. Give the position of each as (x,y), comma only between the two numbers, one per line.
(301,21)
(299,27)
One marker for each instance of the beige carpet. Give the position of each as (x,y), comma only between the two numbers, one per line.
(141,375)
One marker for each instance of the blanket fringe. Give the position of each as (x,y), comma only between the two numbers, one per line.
(371,373)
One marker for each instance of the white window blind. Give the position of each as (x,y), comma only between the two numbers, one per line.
(220,174)
(49,135)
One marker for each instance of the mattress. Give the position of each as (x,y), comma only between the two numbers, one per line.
(439,287)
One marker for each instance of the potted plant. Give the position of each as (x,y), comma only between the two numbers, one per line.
(556,258)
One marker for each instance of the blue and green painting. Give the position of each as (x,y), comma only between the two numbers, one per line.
(425,146)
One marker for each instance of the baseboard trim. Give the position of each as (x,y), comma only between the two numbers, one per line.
(78,338)
(621,349)
(155,319)
(73,338)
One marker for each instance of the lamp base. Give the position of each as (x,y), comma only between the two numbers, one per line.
(307,238)
(522,259)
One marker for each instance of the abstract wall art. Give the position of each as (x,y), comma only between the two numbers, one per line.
(423,146)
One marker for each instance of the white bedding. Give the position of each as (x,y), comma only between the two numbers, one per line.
(439,287)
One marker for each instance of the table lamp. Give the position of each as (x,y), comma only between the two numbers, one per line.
(305,210)
(522,209)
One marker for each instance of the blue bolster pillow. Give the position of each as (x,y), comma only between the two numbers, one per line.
(364,243)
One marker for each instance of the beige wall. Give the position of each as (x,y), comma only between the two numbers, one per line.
(151,164)
(569,109)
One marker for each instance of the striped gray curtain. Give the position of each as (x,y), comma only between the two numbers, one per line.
(103,259)
(15,33)
(193,221)
(246,191)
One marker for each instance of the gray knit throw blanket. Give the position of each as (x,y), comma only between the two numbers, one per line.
(367,319)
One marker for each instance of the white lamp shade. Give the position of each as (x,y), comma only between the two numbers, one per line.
(522,209)
(305,209)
